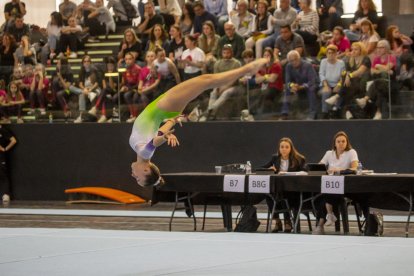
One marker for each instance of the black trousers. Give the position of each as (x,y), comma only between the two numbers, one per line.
(5,186)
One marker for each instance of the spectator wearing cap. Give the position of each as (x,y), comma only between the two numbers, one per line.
(234,39)
(220,95)
(330,75)
(201,16)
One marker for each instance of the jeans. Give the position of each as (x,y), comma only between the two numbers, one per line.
(216,100)
(266,42)
(288,98)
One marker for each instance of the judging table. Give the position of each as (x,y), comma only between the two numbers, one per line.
(208,188)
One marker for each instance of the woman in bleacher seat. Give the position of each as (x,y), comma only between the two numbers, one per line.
(62,80)
(69,42)
(99,21)
(341,157)
(149,78)
(307,22)
(287,159)
(369,37)
(38,89)
(25,53)
(366,10)
(53,28)
(263,28)
(7,49)
(12,103)
(208,41)
(187,19)
(399,42)
(130,44)
(167,70)
(158,38)
(340,40)
(192,59)
(129,88)
(176,47)
(383,71)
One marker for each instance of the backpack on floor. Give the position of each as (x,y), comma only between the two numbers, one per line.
(130,9)
(246,220)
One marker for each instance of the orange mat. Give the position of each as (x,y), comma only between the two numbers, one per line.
(109,193)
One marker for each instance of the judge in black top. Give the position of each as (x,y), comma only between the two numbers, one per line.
(7,141)
(287,159)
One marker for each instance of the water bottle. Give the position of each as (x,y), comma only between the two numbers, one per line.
(359,168)
(50,118)
(248,167)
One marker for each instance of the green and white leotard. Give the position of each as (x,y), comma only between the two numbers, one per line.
(146,128)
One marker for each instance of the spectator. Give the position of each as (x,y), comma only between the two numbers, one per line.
(208,42)
(25,53)
(330,75)
(149,21)
(330,12)
(366,11)
(340,41)
(300,79)
(12,103)
(62,80)
(83,10)
(383,71)
(221,94)
(38,89)
(149,78)
(286,42)
(67,9)
(270,79)
(7,142)
(283,16)
(12,10)
(109,87)
(99,21)
(19,28)
(130,44)
(53,34)
(167,71)
(187,19)
(218,8)
(232,38)
(26,78)
(192,58)
(7,49)
(129,86)
(399,42)
(158,38)
(120,14)
(243,20)
(341,157)
(171,12)
(369,37)
(307,22)
(263,27)
(201,16)
(89,80)
(176,47)
(69,38)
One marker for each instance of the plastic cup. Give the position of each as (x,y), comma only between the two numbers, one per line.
(218,169)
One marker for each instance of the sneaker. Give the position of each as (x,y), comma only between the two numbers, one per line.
(93,40)
(42,111)
(332,100)
(380,221)
(6,198)
(361,102)
(20,121)
(110,121)
(378,116)
(73,55)
(103,119)
(194,115)
(131,119)
(318,231)
(61,55)
(92,111)
(202,118)
(78,120)
(31,111)
(92,96)
(115,112)
(348,115)
(5,121)
(330,219)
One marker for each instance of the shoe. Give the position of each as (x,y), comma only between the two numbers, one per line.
(378,116)
(92,111)
(203,118)
(5,121)
(131,119)
(380,221)
(361,102)
(92,96)
(278,227)
(246,116)
(78,120)
(194,115)
(288,226)
(93,40)
(73,55)
(330,219)
(319,230)
(61,55)
(31,111)
(103,119)
(52,56)
(348,115)
(332,100)
(42,111)
(20,121)
(115,112)
(6,198)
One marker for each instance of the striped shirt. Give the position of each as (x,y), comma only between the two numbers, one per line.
(309,22)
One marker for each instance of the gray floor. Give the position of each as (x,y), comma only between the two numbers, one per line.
(47,251)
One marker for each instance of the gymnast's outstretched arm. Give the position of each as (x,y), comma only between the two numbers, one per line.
(176,98)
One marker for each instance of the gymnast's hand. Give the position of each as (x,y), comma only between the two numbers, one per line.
(171,139)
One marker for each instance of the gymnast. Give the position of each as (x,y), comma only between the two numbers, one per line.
(147,134)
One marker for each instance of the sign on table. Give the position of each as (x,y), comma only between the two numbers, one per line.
(333,184)
(259,184)
(234,183)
